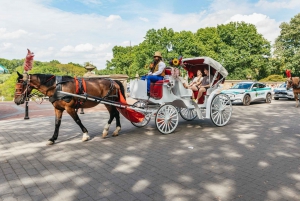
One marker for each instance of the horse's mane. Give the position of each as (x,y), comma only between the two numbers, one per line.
(295,80)
(46,79)
(121,88)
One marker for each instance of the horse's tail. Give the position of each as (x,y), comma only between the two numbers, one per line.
(121,88)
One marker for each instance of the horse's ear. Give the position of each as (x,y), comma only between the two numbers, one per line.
(20,75)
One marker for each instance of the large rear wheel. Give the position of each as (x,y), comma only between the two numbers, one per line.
(166,119)
(188,114)
(220,110)
(143,105)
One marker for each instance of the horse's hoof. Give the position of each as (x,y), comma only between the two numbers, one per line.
(104,136)
(50,143)
(116,132)
(85,137)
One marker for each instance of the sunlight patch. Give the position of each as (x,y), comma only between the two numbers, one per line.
(263,164)
(127,164)
(140,185)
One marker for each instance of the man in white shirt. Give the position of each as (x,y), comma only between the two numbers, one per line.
(157,71)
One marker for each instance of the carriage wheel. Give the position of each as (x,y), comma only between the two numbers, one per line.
(268,98)
(188,114)
(166,119)
(246,100)
(142,104)
(220,110)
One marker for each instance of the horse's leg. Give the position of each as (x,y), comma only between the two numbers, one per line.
(296,98)
(111,117)
(58,115)
(74,115)
(118,123)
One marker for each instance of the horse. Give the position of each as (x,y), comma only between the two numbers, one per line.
(50,85)
(294,82)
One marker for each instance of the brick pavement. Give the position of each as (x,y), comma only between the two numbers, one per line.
(254,157)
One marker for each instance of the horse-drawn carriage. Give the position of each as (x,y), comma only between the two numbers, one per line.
(169,97)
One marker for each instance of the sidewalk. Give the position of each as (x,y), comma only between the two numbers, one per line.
(9,110)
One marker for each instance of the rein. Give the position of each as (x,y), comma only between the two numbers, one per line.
(27,82)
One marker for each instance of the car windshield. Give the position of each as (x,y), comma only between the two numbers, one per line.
(242,86)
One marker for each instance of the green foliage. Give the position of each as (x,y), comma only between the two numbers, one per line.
(273,78)
(237,46)
(4,77)
(287,45)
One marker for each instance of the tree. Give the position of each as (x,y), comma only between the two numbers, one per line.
(242,50)
(287,44)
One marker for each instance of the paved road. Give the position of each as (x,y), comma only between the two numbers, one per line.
(254,157)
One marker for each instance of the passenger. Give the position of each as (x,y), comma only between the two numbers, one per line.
(205,84)
(156,73)
(194,85)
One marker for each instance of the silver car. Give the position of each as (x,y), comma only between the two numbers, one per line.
(282,92)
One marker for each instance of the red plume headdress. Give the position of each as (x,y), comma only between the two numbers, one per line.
(288,73)
(28,61)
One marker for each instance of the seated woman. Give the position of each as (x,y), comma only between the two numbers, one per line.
(194,85)
(205,84)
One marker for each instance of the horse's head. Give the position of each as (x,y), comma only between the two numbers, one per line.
(22,89)
(292,82)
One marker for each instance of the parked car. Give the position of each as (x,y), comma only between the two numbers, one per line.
(248,92)
(282,92)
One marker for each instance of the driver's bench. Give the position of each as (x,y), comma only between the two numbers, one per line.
(156,88)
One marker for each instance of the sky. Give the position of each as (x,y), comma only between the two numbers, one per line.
(82,31)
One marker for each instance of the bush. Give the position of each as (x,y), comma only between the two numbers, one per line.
(4,77)
(274,78)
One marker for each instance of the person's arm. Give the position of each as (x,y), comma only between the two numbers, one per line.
(161,67)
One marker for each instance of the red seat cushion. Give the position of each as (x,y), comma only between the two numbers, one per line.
(201,99)
(168,71)
(156,89)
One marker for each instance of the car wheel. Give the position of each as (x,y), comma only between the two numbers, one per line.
(246,100)
(276,98)
(268,98)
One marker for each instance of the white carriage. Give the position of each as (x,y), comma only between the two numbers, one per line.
(168,97)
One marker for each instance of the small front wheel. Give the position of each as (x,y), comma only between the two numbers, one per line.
(246,100)
(276,98)
(166,119)
(268,98)
(188,114)
(143,105)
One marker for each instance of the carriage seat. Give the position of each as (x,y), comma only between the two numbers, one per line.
(201,99)
(156,88)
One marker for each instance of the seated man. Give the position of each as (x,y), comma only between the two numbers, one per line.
(157,72)
(205,84)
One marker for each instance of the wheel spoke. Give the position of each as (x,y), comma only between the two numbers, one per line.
(221,109)
(167,122)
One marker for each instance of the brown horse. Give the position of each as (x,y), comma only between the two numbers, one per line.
(50,85)
(294,83)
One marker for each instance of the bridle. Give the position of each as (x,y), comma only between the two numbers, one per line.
(23,87)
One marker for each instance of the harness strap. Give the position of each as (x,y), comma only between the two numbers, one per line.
(110,89)
(80,85)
